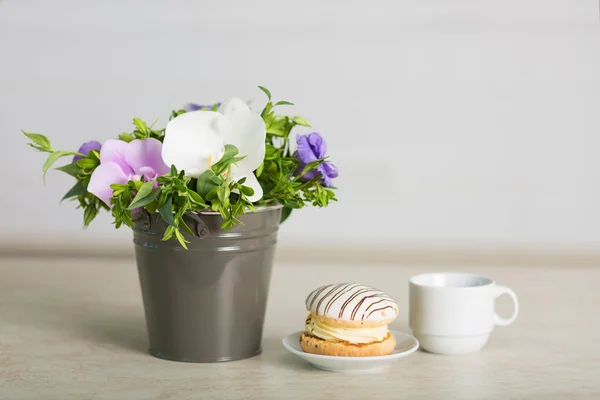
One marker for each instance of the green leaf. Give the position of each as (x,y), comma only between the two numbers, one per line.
(230,152)
(42,142)
(235,160)
(292,204)
(285,213)
(87,163)
(311,166)
(76,190)
(219,168)
(71,169)
(205,185)
(176,114)
(52,158)
(126,137)
(212,195)
(301,121)
(196,198)
(140,125)
(275,132)
(228,224)
(284,103)
(181,239)
(137,185)
(223,193)
(186,228)
(143,191)
(95,155)
(166,212)
(259,170)
(116,186)
(247,190)
(162,199)
(266,92)
(152,206)
(89,214)
(215,203)
(173,170)
(140,201)
(214,107)
(169,233)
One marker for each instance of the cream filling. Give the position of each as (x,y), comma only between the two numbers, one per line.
(337,334)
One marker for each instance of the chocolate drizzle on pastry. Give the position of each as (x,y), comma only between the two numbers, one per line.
(350,301)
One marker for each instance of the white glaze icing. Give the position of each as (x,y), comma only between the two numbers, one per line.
(351,302)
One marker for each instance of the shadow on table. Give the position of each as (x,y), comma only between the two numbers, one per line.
(124,328)
(274,354)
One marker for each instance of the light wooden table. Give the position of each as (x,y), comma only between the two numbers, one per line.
(74,329)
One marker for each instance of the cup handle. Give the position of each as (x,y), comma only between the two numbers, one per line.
(500,290)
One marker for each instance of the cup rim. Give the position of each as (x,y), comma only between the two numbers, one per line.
(488,282)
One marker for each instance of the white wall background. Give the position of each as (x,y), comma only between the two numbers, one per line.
(453,123)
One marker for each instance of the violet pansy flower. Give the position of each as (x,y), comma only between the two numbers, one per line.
(87,147)
(310,148)
(121,162)
(195,107)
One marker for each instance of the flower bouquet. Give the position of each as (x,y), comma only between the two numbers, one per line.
(204,197)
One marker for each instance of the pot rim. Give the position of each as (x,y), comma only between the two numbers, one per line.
(259,209)
(140,215)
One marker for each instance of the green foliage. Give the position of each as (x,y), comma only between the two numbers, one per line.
(173,195)
(301,121)
(39,142)
(71,169)
(42,143)
(266,92)
(279,175)
(142,131)
(81,170)
(76,190)
(91,205)
(224,195)
(126,137)
(176,113)
(285,213)
(179,194)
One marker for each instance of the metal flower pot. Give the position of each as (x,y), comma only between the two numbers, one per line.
(207,303)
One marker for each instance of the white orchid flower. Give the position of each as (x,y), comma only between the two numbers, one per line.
(194,141)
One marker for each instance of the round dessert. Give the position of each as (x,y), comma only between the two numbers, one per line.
(348,319)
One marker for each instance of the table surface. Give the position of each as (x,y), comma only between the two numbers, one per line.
(74,329)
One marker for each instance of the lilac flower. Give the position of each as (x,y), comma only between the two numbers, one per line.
(87,147)
(195,107)
(121,162)
(310,148)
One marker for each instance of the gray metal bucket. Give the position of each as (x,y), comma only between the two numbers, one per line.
(207,303)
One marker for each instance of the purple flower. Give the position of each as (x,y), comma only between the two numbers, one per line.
(310,148)
(86,148)
(121,162)
(195,107)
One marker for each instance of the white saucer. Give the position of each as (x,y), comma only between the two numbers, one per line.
(405,345)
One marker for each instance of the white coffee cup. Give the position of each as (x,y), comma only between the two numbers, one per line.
(453,313)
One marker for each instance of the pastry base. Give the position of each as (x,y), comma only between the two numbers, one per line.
(314,345)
